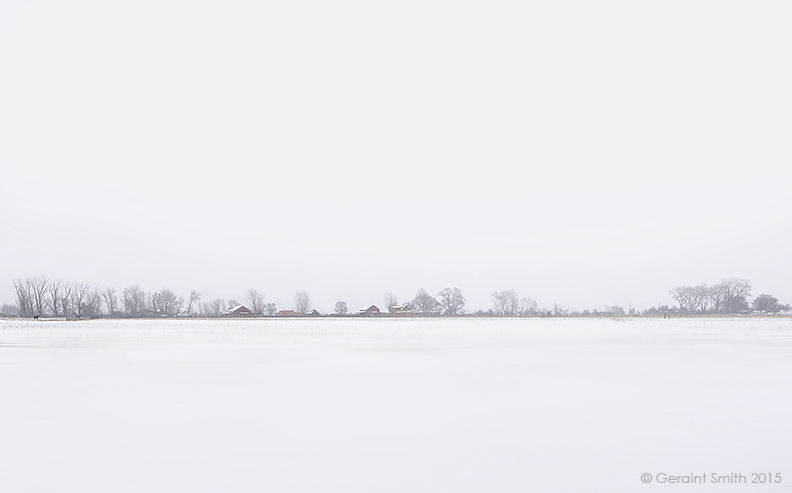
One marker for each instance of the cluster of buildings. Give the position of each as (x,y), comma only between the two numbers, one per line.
(367,311)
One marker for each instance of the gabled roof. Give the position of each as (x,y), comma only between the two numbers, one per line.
(238,309)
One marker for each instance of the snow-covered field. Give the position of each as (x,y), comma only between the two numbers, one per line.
(393,405)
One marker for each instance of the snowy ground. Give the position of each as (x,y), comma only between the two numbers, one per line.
(468,405)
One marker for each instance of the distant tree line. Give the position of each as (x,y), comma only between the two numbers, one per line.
(449,302)
(38,296)
(729,296)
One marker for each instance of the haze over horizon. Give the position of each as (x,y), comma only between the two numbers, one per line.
(586,155)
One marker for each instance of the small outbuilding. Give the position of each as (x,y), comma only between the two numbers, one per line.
(402,311)
(238,311)
(369,311)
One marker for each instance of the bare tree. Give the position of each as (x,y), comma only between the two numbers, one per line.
(302,302)
(173,303)
(111,300)
(390,300)
(24,298)
(256,301)
(528,307)
(32,295)
(685,296)
(506,302)
(55,293)
(134,300)
(92,307)
(166,303)
(727,296)
(194,297)
(702,298)
(425,303)
(270,309)
(66,296)
(768,304)
(452,302)
(735,293)
(341,308)
(716,297)
(216,307)
(79,296)
(509,303)
(38,290)
(692,299)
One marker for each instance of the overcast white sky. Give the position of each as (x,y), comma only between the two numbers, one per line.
(585,153)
